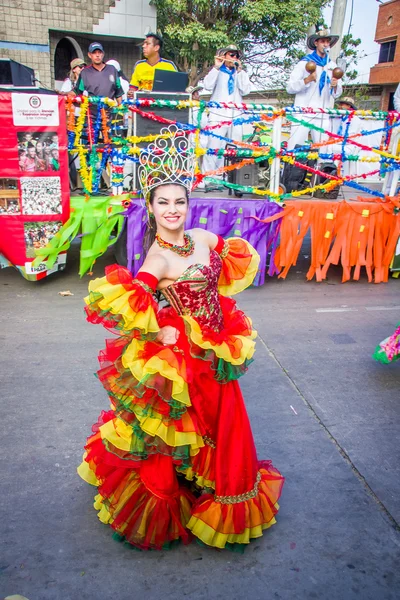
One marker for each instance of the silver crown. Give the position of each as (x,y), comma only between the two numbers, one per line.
(169,159)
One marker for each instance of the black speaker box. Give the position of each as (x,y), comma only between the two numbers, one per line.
(144,126)
(247,175)
(13,73)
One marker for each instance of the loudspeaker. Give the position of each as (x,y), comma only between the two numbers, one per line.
(13,73)
(295,178)
(143,126)
(330,169)
(247,175)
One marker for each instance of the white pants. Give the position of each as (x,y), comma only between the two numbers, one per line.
(299,133)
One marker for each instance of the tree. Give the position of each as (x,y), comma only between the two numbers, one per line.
(268,31)
(352,55)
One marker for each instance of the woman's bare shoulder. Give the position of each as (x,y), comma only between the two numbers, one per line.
(155,263)
(201,235)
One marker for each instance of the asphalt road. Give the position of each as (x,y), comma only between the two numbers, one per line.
(320,407)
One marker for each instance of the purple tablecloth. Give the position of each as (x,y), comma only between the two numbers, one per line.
(222,216)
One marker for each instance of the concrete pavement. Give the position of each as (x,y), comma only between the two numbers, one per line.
(322,410)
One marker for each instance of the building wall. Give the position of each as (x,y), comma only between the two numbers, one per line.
(125,51)
(387,29)
(388,24)
(29,29)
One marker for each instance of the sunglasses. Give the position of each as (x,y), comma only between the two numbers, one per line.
(234,54)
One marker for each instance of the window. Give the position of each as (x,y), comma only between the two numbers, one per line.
(387,52)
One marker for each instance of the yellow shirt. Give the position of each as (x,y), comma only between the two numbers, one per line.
(143,74)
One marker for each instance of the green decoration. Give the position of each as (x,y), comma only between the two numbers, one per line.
(96,218)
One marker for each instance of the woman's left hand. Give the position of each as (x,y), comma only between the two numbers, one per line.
(167,335)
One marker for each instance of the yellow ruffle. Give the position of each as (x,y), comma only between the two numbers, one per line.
(200,480)
(222,350)
(218,540)
(86,473)
(115,299)
(131,485)
(215,526)
(155,426)
(141,369)
(238,285)
(119,434)
(103,513)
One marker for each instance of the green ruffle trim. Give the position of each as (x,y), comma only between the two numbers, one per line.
(144,445)
(122,540)
(381,356)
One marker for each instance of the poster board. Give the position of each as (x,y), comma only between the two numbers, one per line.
(34,178)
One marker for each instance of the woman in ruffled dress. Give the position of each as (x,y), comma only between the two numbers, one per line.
(388,350)
(174,459)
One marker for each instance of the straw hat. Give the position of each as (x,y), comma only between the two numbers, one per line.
(194,88)
(230,48)
(322,33)
(347,100)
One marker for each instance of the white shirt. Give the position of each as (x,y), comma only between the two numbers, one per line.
(307,94)
(216,82)
(66,86)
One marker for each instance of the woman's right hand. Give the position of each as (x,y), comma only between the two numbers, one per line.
(168,335)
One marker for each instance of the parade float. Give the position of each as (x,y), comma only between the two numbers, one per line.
(360,234)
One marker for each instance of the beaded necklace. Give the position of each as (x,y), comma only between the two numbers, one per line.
(186,250)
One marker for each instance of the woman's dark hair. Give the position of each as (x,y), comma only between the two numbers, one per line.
(151,227)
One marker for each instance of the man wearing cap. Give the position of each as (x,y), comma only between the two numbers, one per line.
(143,73)
(227,82)
(316,90)
(99,79)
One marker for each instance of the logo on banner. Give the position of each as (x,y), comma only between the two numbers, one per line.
(35,101)
(35,110)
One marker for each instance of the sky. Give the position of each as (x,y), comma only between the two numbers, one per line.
(365,14)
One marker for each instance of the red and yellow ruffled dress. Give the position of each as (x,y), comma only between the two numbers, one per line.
(174,457)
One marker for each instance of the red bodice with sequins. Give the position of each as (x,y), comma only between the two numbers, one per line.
(195,293)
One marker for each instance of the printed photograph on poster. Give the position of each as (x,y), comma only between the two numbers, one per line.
(38,234)
(9,197)
(38,151)
(41,195)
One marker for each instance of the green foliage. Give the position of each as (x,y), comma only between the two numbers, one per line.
(194,30)
(352,55)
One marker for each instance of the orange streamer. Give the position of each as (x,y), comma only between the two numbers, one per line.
(70,108)
(356,234)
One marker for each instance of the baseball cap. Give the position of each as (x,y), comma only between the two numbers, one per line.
(95,46)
